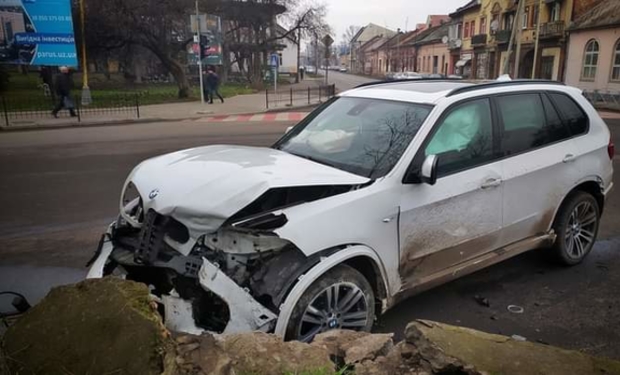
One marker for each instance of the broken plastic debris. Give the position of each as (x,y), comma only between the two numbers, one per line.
(482,301)
(518,338)
(516,309)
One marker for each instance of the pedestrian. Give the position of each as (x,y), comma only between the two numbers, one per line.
(47,76)
(212,86)
(302,71)
(63,89)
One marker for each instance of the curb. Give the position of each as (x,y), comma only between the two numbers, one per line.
(87,124)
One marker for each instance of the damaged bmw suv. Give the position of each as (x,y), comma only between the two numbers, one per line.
(382,192)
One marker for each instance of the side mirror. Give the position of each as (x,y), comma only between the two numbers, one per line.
(428,172)
(288,129)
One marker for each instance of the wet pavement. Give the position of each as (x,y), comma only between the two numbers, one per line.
(60,189)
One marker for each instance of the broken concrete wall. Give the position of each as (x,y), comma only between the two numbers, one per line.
(105,326)
(109,326)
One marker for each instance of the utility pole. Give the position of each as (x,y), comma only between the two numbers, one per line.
(518,52)
(513,35)
(86,97)
(198,35)
(540,5)
(398,48)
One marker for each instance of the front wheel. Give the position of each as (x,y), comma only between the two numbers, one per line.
(576,227)
(340,299)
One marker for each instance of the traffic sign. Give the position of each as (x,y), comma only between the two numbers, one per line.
(274,60)
(328,40)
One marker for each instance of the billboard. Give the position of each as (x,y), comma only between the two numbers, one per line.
(37,32)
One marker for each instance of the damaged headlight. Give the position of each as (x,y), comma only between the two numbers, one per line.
(131,206)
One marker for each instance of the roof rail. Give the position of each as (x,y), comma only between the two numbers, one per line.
(515,82)
(407,80)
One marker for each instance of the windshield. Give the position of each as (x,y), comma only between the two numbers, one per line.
(362,136)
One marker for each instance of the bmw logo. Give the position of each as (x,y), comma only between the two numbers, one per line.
(154,193)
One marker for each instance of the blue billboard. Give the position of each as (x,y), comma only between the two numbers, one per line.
(37,32)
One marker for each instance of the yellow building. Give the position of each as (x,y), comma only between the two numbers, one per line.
(487,28)
(460,38)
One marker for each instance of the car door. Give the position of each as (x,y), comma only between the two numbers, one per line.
(459,217)
(538,163)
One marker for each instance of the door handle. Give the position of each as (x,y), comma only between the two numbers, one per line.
(491,183)
(569,158)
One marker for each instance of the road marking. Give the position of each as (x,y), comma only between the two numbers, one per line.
(260,117)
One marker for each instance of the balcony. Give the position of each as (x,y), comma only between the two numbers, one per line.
(503,36)
(479,40)
(454,44)
(552,30)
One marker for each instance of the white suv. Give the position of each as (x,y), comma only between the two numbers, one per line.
(382,192)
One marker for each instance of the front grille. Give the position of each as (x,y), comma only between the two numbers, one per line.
(151,238)
(150,242)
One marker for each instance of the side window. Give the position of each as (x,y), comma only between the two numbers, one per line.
(573,115)
(463,139)
(528,123)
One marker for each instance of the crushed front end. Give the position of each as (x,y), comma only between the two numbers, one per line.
(216,286)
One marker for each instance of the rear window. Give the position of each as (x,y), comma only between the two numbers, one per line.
(529,122)
(572,114)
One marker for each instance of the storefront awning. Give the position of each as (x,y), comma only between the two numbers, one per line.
(462,63)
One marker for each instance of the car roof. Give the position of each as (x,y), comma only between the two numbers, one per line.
(433,91)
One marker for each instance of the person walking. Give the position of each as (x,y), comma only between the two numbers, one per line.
(212,87)
(63,87)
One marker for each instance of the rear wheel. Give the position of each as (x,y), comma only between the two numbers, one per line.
(576,227)
(340,299)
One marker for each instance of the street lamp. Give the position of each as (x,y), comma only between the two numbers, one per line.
(86,97)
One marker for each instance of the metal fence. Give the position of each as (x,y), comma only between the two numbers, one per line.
(609,99)
(23,109)
(298,97)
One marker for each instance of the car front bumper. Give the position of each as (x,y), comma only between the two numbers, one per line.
(246,314)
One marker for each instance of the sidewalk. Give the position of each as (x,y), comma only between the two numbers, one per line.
(168,112)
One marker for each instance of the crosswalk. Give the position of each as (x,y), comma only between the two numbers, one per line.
(259,118)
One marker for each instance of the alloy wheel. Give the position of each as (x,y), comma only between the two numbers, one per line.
(580,230)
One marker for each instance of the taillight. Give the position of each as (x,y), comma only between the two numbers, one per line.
(611,150)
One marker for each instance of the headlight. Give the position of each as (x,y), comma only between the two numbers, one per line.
(131,206)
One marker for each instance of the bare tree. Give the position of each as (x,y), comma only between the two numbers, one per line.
(160,26)
(350,33)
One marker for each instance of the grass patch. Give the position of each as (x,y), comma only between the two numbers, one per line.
(24,93)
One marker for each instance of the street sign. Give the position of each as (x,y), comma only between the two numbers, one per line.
(274,60)
(328,40)
(203,23)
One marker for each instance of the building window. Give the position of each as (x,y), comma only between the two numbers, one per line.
(483,25)
(590,61)
(615,64)
(466,29)
(534,19)
(554,16)
(459,31)
(509,20)
(525,18)
(473,28)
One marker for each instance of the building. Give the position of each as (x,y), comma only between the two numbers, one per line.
(593,61)
(364,35)
(11,23)
(464,19)
(431,50)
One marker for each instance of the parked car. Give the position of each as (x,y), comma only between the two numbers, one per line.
(343,69)
(310,69)
(386,191)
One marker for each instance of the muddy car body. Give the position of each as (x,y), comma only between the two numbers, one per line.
(386,190)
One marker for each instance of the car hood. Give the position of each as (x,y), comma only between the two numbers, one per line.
(202,187)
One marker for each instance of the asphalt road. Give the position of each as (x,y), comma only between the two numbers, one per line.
(345,81)
(60,188)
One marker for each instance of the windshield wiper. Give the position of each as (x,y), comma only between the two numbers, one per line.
(311,158)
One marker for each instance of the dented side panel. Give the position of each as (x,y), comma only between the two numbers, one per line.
(448,223)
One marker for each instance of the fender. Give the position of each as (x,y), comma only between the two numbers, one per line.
(593,178)
(286,309)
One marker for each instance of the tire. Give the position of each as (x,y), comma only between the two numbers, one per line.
(304,324)
(576,227)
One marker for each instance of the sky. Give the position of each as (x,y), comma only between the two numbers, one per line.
(394,14)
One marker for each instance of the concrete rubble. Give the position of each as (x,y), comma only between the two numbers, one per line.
(109,326)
